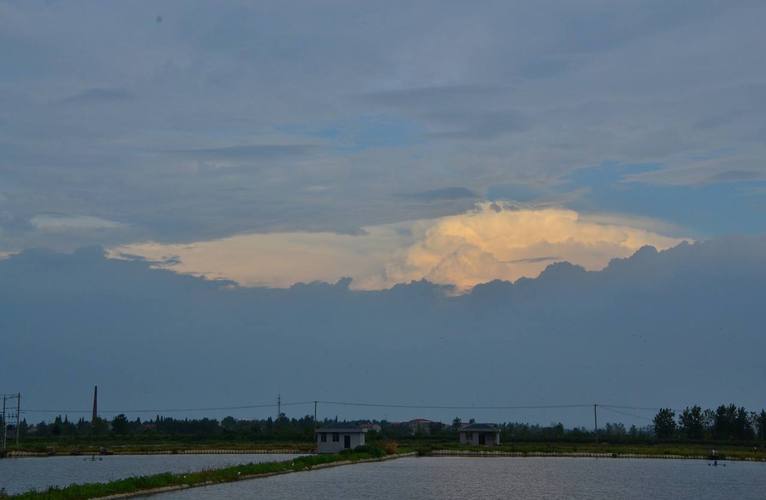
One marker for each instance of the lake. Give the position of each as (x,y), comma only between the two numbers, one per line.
(22,474)
(505,478)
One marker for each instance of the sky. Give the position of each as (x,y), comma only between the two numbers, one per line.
(352,134)
(272,143)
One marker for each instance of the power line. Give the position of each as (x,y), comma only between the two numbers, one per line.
(358,404)
(639,408)
(452,407)
(624,413)
(172,410)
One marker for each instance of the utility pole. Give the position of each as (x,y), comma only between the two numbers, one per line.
(595,421)
(10,415)
(279,406)
(315,415)
(18,418)
(95,405)
(5,427)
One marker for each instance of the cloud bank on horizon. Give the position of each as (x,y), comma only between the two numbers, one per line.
(492,241)
(654,329)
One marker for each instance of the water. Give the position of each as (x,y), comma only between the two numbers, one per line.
(505,478)
(22,474)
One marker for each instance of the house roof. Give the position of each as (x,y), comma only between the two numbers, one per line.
(481,427)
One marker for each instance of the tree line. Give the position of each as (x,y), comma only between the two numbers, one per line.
(725,423)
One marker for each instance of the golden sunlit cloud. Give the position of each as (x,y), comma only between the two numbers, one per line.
(276,259)
(498,242)
(493,241)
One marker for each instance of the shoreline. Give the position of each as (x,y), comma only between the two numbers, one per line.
(191,451)
(694,452)
(137,486)
(250,477)
(553,454)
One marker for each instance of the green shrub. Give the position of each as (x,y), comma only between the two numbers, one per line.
(372,450)
(424,450)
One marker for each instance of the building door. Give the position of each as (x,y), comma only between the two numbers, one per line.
(347,441)
(482,438)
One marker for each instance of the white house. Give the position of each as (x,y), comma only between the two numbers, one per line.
(480,435)
(337,437)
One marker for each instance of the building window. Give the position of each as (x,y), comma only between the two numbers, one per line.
(323,437)
(335,437)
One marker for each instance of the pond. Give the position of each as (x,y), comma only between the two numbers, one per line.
(22,474)
(505,478)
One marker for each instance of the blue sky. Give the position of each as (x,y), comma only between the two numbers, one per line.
(726,206)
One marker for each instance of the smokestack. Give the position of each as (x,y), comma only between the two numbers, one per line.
(95,404)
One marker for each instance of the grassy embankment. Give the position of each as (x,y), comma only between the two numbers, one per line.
(75,446)
(129,446)
(727,451)
(208,477)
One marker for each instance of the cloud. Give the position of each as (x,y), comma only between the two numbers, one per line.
(262,151)
(276,259)
(61,223)
(449,193)
(498,242)
(99,95)
(493,241)
(156,339)
(368,101)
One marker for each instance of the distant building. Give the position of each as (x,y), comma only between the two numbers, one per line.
(370,426)
(337,437)
(480,435)
(419,426)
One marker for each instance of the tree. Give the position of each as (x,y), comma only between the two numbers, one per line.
(665,423)
(760,424)
(692,423)
(229,423)
(724,422)
(743,425)
(120,424)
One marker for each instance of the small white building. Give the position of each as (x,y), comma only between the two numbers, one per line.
(337,437)
(480,435)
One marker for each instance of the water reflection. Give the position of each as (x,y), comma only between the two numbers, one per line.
(505,478)
(22,474)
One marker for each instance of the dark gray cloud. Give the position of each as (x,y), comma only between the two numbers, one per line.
(737,175)
(436,96)
(489,125)
(544,258)
(266,151)
(550,340)
(99,95)
(448,193)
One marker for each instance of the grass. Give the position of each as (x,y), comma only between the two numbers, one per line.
(617,449)
(82,447)
(225,475)
(79,446)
